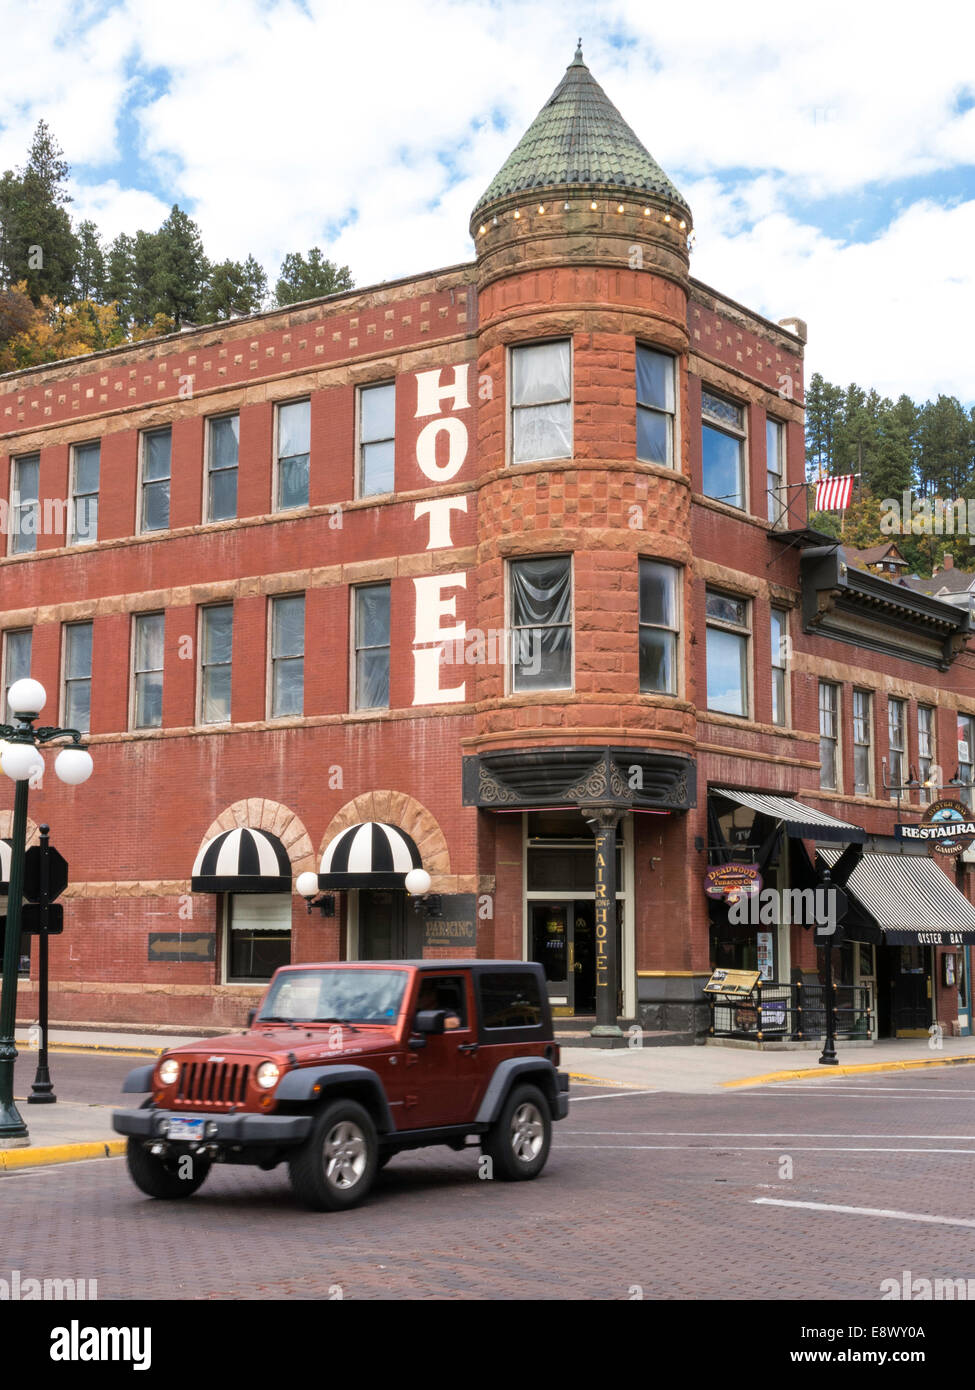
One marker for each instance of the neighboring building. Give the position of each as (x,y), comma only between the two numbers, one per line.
(883,559)
(948,583)
(477,559)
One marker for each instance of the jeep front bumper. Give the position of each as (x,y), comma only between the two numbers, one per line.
(241,1129)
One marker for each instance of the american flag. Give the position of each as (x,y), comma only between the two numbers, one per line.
(833,494)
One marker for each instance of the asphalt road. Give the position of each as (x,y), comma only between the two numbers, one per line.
(660,1196)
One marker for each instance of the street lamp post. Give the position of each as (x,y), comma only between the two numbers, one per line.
(21,760)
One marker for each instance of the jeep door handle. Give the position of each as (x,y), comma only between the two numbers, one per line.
(467,1047)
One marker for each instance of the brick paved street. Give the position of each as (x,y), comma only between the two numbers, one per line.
(655,1192)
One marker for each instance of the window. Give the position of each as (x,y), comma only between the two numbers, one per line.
(16,663)
(775,469)
(659,627)
(25,509)
(829,760)
(215,652)
(147,670)
(157,449)
(727,653)
(377,439)
(510,999)
(294,445)
(259,935)
(966,758)
(654,406)
(862,744)
(222,468)
(925,748)
(287,655)
(443,992)
(896,729)
(723,450)
(541,622)
(372,646)
(77,677)
(541,402)
(780,650)
(83,525)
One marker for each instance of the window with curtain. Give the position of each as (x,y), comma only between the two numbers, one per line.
(86,467)
(76,694)
(259,935)
(157,448)
(723,449)
(925,749)
(215,663)
(222,468)
(372,615)
(16,663)
(377,439)
(897,738)
(541,402)
(287,655)
(829,760)
(541,623)
(728,633)
(655,406)
(659,627)
(148,670)
(25,509)
(966,758)
(294,447)
(775,469)
(780,630)
(862,744)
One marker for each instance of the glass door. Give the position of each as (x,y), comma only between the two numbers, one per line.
(552,930)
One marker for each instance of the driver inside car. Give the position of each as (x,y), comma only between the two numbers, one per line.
(429,1000)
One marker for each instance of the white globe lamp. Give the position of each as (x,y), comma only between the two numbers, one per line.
(417,883)
(307,884)
(26,697)
(73,766)
(22,762)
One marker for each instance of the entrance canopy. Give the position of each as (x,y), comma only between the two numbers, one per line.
(242,861)
(799,821)
(371,854)
(909,898)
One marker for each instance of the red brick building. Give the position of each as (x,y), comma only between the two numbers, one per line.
(481,556)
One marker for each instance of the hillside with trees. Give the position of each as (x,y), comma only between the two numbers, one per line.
(927,449)
(64,291)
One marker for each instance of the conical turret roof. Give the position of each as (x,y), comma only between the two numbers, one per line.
(579,137)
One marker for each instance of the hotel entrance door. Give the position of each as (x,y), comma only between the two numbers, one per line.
(388,929)
(563,941)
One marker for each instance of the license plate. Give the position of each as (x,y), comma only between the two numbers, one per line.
(185,1129)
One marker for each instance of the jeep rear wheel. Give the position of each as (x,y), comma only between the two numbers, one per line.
(176,1176)
(519,1140)
(336,1165)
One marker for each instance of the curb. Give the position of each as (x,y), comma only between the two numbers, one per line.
(602,1081)
(109,1049)
(849,1071)
(59,1153)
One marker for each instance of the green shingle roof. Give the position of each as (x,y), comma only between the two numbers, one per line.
(579,137)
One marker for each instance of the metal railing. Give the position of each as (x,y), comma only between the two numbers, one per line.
(791,1013)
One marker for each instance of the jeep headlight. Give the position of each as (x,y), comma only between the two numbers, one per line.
(168,1071)
(267,1075)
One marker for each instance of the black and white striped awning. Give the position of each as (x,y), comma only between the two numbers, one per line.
(911,900)
(242,861)
(371,854)
(803,822)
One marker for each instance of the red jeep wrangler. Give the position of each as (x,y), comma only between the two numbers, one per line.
(346,1065)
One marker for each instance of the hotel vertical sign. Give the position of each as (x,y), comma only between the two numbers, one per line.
(606,819)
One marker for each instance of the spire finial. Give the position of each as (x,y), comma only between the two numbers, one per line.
(578,59)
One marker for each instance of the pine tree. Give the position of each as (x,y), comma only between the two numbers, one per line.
(180,269)
(309,277)
(90,273)
(37,244)
(234,287)
(119,272)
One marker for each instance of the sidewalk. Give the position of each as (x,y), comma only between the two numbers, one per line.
(71,1130)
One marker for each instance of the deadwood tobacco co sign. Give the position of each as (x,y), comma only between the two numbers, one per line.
(947,826)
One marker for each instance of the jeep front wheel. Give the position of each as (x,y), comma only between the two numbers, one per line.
(177,1176)
(519,1140)
(336,1165)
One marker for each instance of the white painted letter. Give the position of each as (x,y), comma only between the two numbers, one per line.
(438,509)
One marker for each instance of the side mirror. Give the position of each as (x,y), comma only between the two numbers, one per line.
(251,1015)
(430,1021)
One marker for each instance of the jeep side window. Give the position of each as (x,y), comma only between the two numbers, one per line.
(510,999)
(444,992)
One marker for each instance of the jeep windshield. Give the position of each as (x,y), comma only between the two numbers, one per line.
(330,996)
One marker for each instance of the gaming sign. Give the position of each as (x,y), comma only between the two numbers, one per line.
(946,827)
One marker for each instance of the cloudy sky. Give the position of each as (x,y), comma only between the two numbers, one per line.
(827,150)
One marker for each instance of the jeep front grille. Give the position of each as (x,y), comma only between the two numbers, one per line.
(212,1083)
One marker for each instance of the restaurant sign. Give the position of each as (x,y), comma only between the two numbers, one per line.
(732,881)
(946,826)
